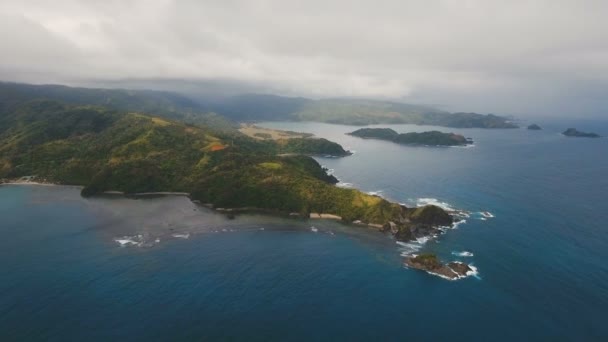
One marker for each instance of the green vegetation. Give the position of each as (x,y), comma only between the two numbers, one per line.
(104,150)
(426,259)
(104,140)
(433,138)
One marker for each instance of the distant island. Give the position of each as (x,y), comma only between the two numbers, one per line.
(432,138)
(573,132)
(534,127)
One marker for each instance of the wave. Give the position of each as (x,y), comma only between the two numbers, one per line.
(344,185)
(433,201)
(463,254)
(125,241)
(181,236)
(374,193)
(463,146)
(328,170)
(458,223)
(486,214)
(136,241)
(472,273)
(314,229)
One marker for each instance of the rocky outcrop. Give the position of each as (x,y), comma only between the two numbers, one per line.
(419,222)
(573,132)
(431,215)
(460,268)
(431,264)
(534,127)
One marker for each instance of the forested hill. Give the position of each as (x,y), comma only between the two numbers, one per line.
(108,150)
(165,104)
(250,107)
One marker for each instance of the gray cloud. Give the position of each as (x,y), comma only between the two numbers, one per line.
(544,57)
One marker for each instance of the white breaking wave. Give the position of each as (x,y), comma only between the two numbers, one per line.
(463,254)
(458,223)
(344,185)
(181,236)
(314,229)
(125,241)
(375,193)
(136,241)
(433,201)
(486,214)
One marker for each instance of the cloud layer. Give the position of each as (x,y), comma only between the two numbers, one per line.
(520,57)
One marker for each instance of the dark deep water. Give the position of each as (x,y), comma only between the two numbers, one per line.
(542,260)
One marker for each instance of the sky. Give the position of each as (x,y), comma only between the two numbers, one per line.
(537,58)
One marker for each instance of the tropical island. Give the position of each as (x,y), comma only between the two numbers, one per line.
(573,132)
(534,127)
(432,138)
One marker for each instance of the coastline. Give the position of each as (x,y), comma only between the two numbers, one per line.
(404,228)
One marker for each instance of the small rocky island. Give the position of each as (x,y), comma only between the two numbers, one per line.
(431,264)
(534,127)
(431,138)
(573,132)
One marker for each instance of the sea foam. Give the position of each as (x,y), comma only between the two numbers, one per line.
(462,254)
(181,236)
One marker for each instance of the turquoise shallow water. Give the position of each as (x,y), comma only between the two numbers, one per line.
(541,258)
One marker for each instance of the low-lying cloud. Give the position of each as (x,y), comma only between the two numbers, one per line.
(545,57)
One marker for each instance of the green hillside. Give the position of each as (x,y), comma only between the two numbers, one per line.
(107,150)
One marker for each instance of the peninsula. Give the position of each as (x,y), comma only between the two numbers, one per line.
(432,138)
(109,151)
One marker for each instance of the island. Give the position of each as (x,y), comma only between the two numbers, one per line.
(534,127)
(432,138)
(431,264)
(573,132)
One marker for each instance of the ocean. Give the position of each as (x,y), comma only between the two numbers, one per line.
(166,269)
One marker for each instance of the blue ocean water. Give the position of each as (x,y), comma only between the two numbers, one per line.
(165,269)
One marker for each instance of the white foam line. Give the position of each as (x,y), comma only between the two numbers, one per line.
(181,236)
(463,254)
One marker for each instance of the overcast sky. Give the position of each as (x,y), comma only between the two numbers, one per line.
(545,57)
